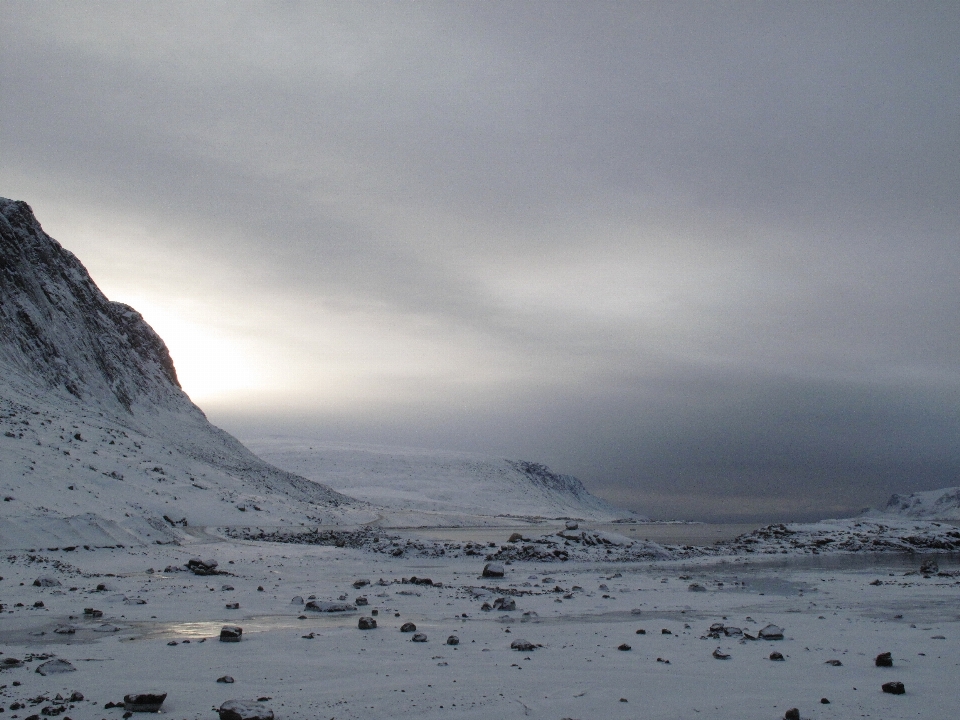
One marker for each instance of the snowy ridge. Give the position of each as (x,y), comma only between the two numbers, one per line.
(943,504)
(97,440)
(438,483)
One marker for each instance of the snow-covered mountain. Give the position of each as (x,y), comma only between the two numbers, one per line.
(449,484)
(97,440)
(943,504)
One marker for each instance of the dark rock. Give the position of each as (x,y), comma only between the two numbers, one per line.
(572,525)
(91,612)
(143,702)
(46,581)
(835,663)
(720,655)
(76,696)
(486,606)
(894,688)
(233,606)
(776,656)
(227,588)
(624,647)
(328,607)
(771,632)
(493,570)
(664,631)
(824,701)
(360,601)
(696,587)
(202,567)
(230,633)
(366,623)
(522,645)
(259,588)
(297,600)
(453,640)
(8,663)
(884,660)
(792,714)
(225,679)
(641,631)
(408,627)
(419,637)
(504,604)
(360,583)
(245,710)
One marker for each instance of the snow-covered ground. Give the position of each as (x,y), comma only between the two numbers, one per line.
(577,614)
(943,504)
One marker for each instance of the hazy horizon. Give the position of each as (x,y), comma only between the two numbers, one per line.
(704,257)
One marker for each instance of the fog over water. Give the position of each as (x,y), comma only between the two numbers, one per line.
(702,256)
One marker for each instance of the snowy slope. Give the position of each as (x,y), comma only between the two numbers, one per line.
(429,481)
(97,440)
(943,504)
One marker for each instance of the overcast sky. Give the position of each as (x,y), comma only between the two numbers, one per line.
(705,256)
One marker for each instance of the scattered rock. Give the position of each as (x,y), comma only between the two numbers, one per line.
(792,714)
(297,600)
(245,710)
(624,647)
(360,601)
(8,663)
(491,570)
(894,688)
(503,603)
(143,702)
(226,588)
(230,633)
(835,663)
(696,587)
(366,623)
(408,627)
(776,656)
(54,667)
(572,525)
(523,646)
(453,640)
(92,612)
(824,701)
(46,581)
(65,630)
(641,631)
(771,632)
(329,607)
(202,567)
(664,631)
(720,655)
(884,660)
(233,606)
(225,679)
(360,583)
(419,637)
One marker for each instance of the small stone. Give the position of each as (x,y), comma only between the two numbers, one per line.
(720,655)
(233,606)
(664,631)
(230,633)
(143,702)
(46,581)
(493,570)
(453,640)
(641,631)
(225,679)
(324,606)
(572,525)
(259,588)
(824,701)
(226,588)
(366,623)
(408,627)
(172,643)
(419,637)
(76,696)
(245,710)
(771,632)
(894,688)
(776,656)
(361,600)
(297,600)
(835,663)
(91,612)
(792,714)
(696,587)
(504,604)
(522,645)
(624,647)
(884,660)
(360,583)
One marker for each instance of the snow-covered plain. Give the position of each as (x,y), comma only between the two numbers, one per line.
(112,481)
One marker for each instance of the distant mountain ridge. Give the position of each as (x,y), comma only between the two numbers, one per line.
(95,430)
(942,504)
(442,483)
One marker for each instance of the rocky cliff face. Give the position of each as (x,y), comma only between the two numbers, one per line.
(95,431)
(57,326)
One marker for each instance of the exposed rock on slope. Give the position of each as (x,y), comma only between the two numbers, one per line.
(943,504)
(97,439)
